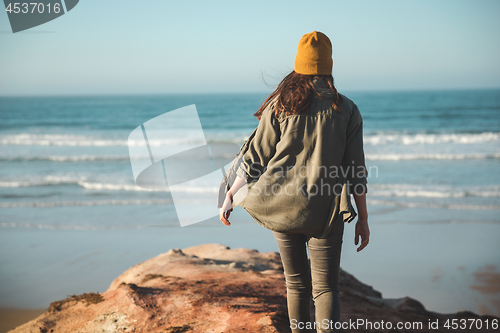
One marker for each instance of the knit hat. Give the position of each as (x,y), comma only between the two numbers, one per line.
(314,55)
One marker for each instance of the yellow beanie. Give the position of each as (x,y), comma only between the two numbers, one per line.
(314,55)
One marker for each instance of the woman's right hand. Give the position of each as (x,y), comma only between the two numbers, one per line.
(226,209)
(363,232)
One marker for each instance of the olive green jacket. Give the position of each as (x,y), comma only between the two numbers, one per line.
(301,169)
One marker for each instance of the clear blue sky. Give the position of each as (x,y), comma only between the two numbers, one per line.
(159,46)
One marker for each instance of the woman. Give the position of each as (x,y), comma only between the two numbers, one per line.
(295,174)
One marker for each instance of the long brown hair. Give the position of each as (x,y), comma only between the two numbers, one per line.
(295,92)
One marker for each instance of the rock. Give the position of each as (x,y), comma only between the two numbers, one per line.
(211,288)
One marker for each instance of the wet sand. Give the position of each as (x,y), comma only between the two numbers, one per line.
(11,318)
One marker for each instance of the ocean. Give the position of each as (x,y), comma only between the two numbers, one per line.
(68,200)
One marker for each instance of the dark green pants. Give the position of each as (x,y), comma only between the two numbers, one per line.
(320,278)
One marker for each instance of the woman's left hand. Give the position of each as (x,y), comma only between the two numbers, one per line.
(226,209)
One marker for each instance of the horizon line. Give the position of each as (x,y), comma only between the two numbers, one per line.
(349,91)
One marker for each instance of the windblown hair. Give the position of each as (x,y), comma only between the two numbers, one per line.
(295,92)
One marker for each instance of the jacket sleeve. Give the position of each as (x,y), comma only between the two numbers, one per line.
(260,147)
(354,156)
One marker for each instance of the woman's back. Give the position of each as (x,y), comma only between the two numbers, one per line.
(296,165)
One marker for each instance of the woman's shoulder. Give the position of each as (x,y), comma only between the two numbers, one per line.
(347,102)
(348,106)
